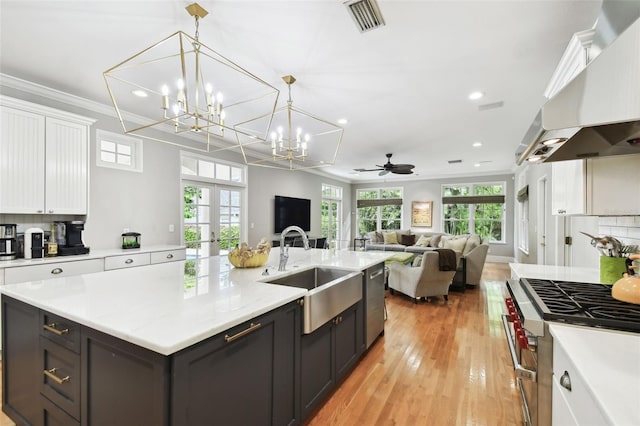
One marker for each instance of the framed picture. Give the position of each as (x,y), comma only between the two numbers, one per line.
(421,213)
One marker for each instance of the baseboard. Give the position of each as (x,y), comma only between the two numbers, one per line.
(499,259)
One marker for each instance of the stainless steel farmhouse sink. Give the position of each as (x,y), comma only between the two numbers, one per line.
(331,291)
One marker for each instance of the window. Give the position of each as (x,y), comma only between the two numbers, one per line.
(379,209)
(118,151)
(208,169)
(331,212)
(474,208)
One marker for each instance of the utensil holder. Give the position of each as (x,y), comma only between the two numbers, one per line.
(611,269)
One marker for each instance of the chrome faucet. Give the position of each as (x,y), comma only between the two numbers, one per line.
(284,251)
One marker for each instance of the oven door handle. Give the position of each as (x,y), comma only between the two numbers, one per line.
(521,372)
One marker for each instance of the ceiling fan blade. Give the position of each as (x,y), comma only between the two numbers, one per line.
(384,172)
(403,166)
(402,171)
(366,170)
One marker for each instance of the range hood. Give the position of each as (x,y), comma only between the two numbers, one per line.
(598,112)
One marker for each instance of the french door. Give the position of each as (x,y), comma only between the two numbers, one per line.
(212,218)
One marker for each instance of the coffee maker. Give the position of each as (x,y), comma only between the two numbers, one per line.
(33,243)
(8,241)
(73,239)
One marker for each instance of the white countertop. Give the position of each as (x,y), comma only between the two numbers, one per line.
(93,254)
(609,364)
(154,307)
(552,272)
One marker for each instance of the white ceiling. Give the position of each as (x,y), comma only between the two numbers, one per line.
(402,87)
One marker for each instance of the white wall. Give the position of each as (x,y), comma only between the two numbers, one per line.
(265,183)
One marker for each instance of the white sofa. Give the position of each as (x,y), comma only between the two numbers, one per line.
(471,248)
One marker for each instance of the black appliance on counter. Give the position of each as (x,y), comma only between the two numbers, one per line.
(8,241)
(532,304)
(73,239)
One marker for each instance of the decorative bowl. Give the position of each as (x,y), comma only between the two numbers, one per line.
(246,257)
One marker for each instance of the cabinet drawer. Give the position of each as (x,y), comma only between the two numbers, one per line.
(579,399)
(60,369)
(52,270)
(126,261)
(168,256)
(60,330)
(52,415)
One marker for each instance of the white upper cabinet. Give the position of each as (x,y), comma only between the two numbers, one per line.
(568,186)
(44,154)
(606,186)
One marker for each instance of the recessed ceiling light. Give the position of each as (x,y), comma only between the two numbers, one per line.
(474,96)
(535,158)
(343,121)
(477,144)
(553,141)
(476,165)
(140,93)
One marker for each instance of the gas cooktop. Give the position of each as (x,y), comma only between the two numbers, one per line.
(587,304)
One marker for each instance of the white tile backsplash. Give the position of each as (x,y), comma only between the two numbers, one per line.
(624,228)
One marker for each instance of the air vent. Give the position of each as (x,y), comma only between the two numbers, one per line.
(454,161)
(493,105)
(365,13)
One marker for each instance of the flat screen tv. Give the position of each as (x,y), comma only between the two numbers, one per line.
(291,211)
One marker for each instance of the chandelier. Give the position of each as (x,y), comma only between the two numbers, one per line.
(181,87)
(297,140)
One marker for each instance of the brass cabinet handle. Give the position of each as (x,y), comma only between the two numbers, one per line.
(52,328)
(253,327)
(169,256)
(52,375)
(128,261)
(56,271)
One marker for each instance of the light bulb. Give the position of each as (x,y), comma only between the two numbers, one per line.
(165,90)
(208,88)
(219,97)
(180,84)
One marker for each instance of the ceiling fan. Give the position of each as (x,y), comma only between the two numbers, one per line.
(399,169)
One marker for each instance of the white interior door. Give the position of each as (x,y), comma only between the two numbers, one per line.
(212,218)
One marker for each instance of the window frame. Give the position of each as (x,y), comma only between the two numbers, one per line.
(135,147)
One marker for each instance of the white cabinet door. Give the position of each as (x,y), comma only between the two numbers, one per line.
(613,183)
(44,159)
(568,187)
(21,161)
(66,167)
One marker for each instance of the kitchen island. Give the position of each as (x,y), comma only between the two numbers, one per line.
(175,330)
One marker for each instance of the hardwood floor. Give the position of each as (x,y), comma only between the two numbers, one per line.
(439,363)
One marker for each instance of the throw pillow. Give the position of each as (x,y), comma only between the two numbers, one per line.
(423,241)
(407,239)
(390,237)
(455,244)
(443,239)
(435,240)
(473,242)
(417,261)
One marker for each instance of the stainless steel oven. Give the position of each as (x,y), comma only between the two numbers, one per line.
(531,303)
(530,346)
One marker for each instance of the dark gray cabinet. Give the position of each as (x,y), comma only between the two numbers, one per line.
(246,376)
(57,372)
(20,375)
(328,354)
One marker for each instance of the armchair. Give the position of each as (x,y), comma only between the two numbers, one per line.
(470,269)
(421,281)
